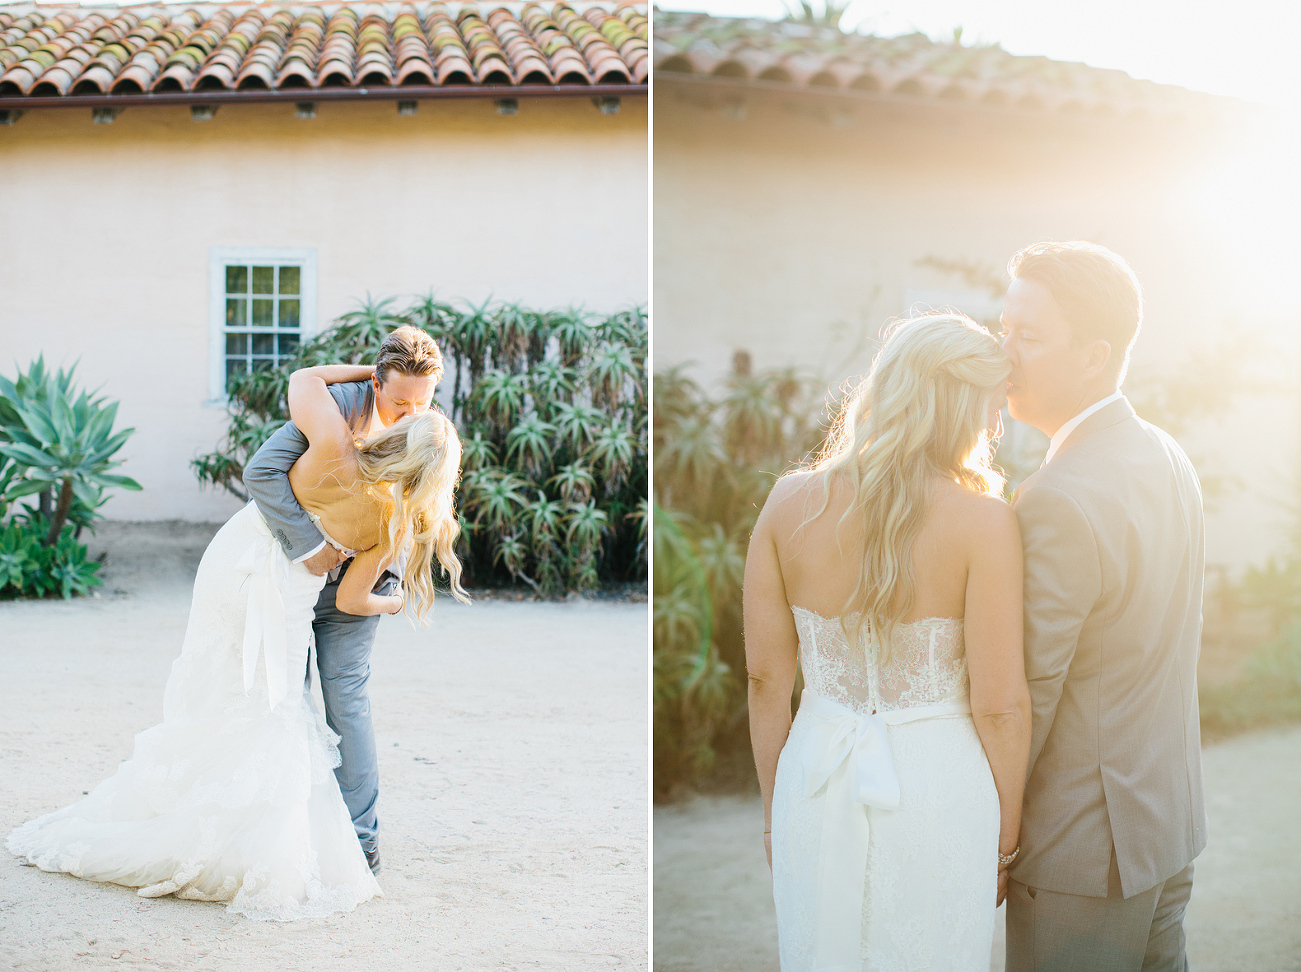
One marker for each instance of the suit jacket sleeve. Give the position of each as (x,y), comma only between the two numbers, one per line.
(1063,581)
(266,477)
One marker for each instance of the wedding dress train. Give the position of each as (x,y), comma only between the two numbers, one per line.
(885,817)
(232,797)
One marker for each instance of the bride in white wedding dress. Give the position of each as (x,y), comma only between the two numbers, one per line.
(232,797)
(890,573)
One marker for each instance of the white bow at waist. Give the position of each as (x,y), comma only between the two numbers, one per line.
(264,623)
(847,754)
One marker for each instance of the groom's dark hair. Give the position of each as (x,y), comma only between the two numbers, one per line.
(409,351)
(1096,290)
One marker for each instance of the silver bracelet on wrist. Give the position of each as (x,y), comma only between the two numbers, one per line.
(1005,860)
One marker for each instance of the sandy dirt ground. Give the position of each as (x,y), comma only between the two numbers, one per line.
(713,895)
(513,766)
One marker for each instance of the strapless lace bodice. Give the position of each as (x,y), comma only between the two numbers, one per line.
(928,664)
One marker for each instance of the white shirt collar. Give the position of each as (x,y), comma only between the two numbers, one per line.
(1064,432)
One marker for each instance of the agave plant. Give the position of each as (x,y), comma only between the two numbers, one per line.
(62,444)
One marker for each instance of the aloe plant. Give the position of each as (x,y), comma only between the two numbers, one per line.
(501,396)
(610,372)
(577,426)
(613,452)
(715,460)
(478,451)
(574,481)
(530,443)
(552,383)
(494,497)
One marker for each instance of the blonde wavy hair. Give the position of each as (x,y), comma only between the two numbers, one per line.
(414,465)
(920,413)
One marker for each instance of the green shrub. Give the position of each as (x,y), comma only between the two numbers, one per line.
(551,407)
(56,443)
(715,461)
(1268,692)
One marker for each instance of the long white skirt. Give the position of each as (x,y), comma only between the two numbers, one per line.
(930,876)
(232,797)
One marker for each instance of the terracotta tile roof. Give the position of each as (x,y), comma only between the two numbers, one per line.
(73,51)
(827,60)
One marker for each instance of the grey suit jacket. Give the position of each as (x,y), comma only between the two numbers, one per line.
(1114,559)
(266,477)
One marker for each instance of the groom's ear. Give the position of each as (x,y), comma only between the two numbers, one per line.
(1096,357)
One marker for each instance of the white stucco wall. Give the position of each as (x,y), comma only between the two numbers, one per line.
(794,231)
(105,233)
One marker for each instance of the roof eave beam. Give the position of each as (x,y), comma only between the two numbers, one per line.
(294,95)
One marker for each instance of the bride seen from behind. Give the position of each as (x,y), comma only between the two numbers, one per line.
(232,797)
(890,572)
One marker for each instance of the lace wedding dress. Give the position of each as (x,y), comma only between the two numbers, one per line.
(232,797)
(885,817)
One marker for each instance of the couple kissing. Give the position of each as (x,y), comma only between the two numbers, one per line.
(1000,700)
(244,793)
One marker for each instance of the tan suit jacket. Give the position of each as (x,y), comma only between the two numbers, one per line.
(1114,559)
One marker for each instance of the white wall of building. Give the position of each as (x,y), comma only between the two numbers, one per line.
(106,231)
(795,232)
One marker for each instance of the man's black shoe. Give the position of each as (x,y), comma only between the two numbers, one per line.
(372,859)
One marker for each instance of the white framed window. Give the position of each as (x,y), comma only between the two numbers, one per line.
(262,306)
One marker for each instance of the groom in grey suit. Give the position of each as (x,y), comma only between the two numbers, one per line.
(407,369)
(1112,529)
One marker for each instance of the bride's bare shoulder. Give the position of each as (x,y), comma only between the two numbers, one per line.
(793,488)
(795,498)
(978,517)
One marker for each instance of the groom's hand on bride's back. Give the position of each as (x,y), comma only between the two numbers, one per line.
(324,560)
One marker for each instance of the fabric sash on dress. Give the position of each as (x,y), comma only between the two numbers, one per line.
(848,754)
(264,624)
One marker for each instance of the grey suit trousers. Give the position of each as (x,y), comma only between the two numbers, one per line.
(1049,931)
(343,647)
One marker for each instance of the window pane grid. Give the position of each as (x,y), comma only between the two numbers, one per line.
(263,315)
